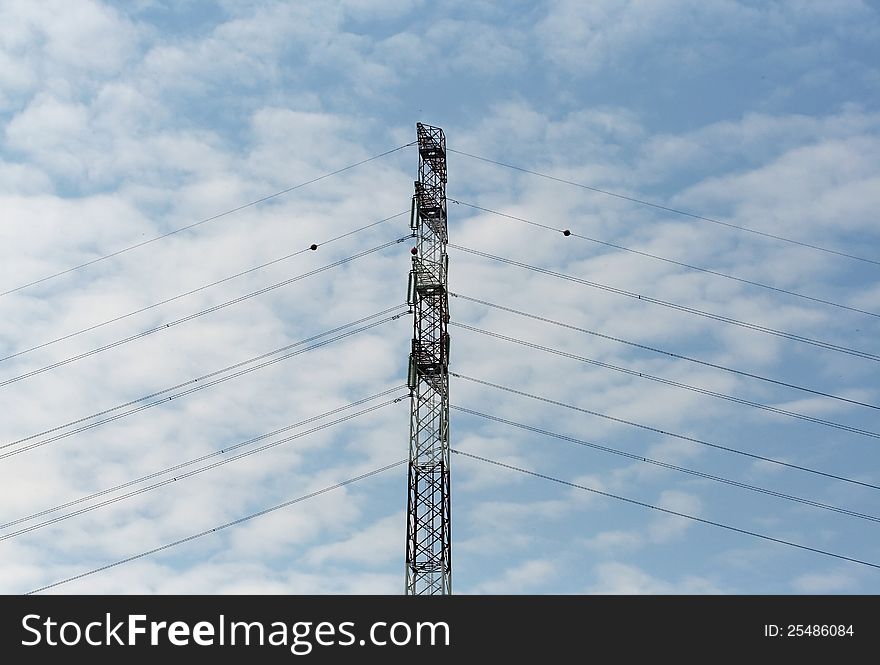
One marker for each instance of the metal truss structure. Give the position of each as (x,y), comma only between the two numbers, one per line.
(428,545)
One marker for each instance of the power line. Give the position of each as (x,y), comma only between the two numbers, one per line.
(666,510)
(658,379)
(657,206)
(682,264)
(215,529)
(675,306)
(201,386)
(209,310)
(176,467)
(207,219)
(657,430)
(666,465)
(673,355)
(196,460)
(202,469)
(201,288)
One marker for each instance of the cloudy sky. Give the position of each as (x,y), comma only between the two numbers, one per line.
(126,121)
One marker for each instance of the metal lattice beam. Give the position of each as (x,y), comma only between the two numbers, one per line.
(429,537)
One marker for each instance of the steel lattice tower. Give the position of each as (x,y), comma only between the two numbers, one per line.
(428,538)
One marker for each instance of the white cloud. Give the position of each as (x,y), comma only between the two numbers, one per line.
(587,38)
(63,47)
(522,578)
(379,10)
(117,130)
(378,543)
(826,583)
(803,192)
(614,541)
(622,579)
(672,527)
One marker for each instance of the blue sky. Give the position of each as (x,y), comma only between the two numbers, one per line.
(123,121)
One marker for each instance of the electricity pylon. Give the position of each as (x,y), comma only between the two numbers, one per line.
(428,545)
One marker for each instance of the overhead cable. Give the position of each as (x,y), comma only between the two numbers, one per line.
(667,465)
(666,510)
(196,290)
(190,317)
(200,386)
(221,527)
(675,211)
(668,382)
(676,306)
(181,465)
(656,257)
(207,219)
(677,356)
(663,432)
(201,469)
